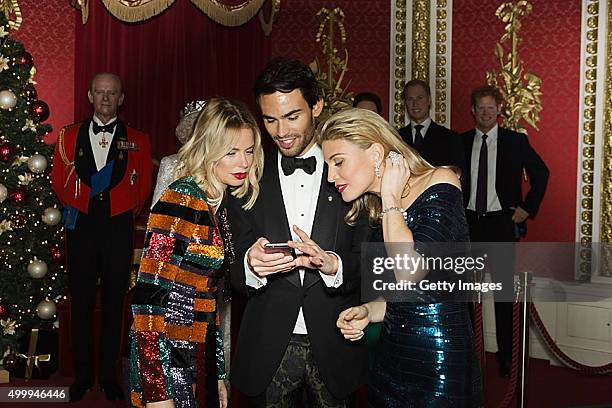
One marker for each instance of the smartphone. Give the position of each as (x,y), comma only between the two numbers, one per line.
(273,248)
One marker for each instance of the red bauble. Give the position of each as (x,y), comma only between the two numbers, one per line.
(25,59)
(18,195)
(7,150)
(3,311)
(40,110)
(10,362)
(57,254)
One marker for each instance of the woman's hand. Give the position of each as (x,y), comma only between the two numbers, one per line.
(222,393)
(352,321)
(394,180)
(161,404)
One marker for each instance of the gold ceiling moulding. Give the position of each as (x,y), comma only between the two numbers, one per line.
(420,40)
(399,64)
(521,91)
(330,78)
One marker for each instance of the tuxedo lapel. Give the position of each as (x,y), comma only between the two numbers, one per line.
(325,223)
(409,138)
(274,212)
(467,177)
(84,162)
(503,146)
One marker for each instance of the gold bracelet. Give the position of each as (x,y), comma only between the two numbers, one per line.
(399,209)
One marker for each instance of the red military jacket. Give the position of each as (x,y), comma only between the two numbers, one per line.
(130,193)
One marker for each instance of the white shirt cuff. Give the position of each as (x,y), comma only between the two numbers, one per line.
(251,279)
(333,281)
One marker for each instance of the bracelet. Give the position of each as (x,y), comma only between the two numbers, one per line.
(386,210)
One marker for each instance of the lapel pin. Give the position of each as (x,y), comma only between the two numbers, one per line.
(80,152)
(330,198)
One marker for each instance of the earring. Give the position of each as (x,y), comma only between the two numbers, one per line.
(377,169)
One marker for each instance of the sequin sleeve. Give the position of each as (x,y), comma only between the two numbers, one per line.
(180,240)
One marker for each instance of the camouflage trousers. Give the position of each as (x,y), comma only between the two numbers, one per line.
(297,381)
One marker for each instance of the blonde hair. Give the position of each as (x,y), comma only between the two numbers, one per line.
(214,135)
(364,128)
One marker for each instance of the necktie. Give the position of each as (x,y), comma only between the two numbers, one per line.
(481,186)
(290,164)
(108,128)
(418,137)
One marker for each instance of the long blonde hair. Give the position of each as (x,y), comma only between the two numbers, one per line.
(214,135)
(364,128)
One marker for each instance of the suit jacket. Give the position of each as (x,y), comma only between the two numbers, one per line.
(514,153)
(74,164)
(441,146)
(271,311)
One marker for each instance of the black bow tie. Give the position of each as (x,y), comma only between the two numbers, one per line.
(108,128)
(289,164)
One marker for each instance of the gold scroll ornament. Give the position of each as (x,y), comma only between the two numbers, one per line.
(521,91)
(335,97)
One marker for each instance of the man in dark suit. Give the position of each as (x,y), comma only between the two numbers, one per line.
(288,346)
(102,176)
(438,145)
(496,209)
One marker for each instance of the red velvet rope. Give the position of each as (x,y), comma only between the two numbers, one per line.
(516,329)
(478,330)
(604,369)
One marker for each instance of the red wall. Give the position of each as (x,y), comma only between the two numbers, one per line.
(367,26)
(47,32)
(551,50)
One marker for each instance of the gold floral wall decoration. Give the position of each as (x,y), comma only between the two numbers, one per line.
(520,90)
(330,78)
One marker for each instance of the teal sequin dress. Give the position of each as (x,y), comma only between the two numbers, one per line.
(426,355)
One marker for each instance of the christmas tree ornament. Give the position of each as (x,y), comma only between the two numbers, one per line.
(18,221)
(18,196)
(37,268)
(10,362)
(7,150)
(39,110)
(3,311)
(25,59)
(8,100)
(29,92)
(51,216)
(3,193)
(37,163)
(46,309)
(57,254)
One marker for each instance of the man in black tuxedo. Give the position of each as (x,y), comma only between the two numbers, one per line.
(288,346)
(496,210)
(438,145)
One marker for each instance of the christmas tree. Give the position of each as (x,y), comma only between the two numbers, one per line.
(32,276)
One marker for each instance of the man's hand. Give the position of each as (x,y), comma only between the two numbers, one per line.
(222,390)
(313,256)
(519,215)
(352,321)
(263,263)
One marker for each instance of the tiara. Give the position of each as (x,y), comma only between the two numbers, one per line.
(191,107)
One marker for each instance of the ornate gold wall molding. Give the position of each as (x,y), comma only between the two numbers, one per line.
(587,135)
(442,40)
(420,39)
(397,77)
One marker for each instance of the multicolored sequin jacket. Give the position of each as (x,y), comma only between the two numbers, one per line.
(176,321)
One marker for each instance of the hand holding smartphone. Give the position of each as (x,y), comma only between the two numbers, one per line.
(283,247)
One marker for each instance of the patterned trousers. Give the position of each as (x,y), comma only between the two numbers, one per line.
(297,379)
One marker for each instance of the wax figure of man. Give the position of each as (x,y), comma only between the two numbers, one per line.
(288,348)
(437,144)
(102,176)
(496,206)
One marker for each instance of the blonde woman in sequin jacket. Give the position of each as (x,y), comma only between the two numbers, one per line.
(177,357)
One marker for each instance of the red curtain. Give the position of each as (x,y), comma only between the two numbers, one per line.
(178,56)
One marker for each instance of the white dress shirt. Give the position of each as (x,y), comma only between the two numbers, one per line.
(493,203)
(300,192)
(425,125)
(100,153)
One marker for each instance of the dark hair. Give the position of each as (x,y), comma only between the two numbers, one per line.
(368,96)
(486,90)
(416,82)
(285,75)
